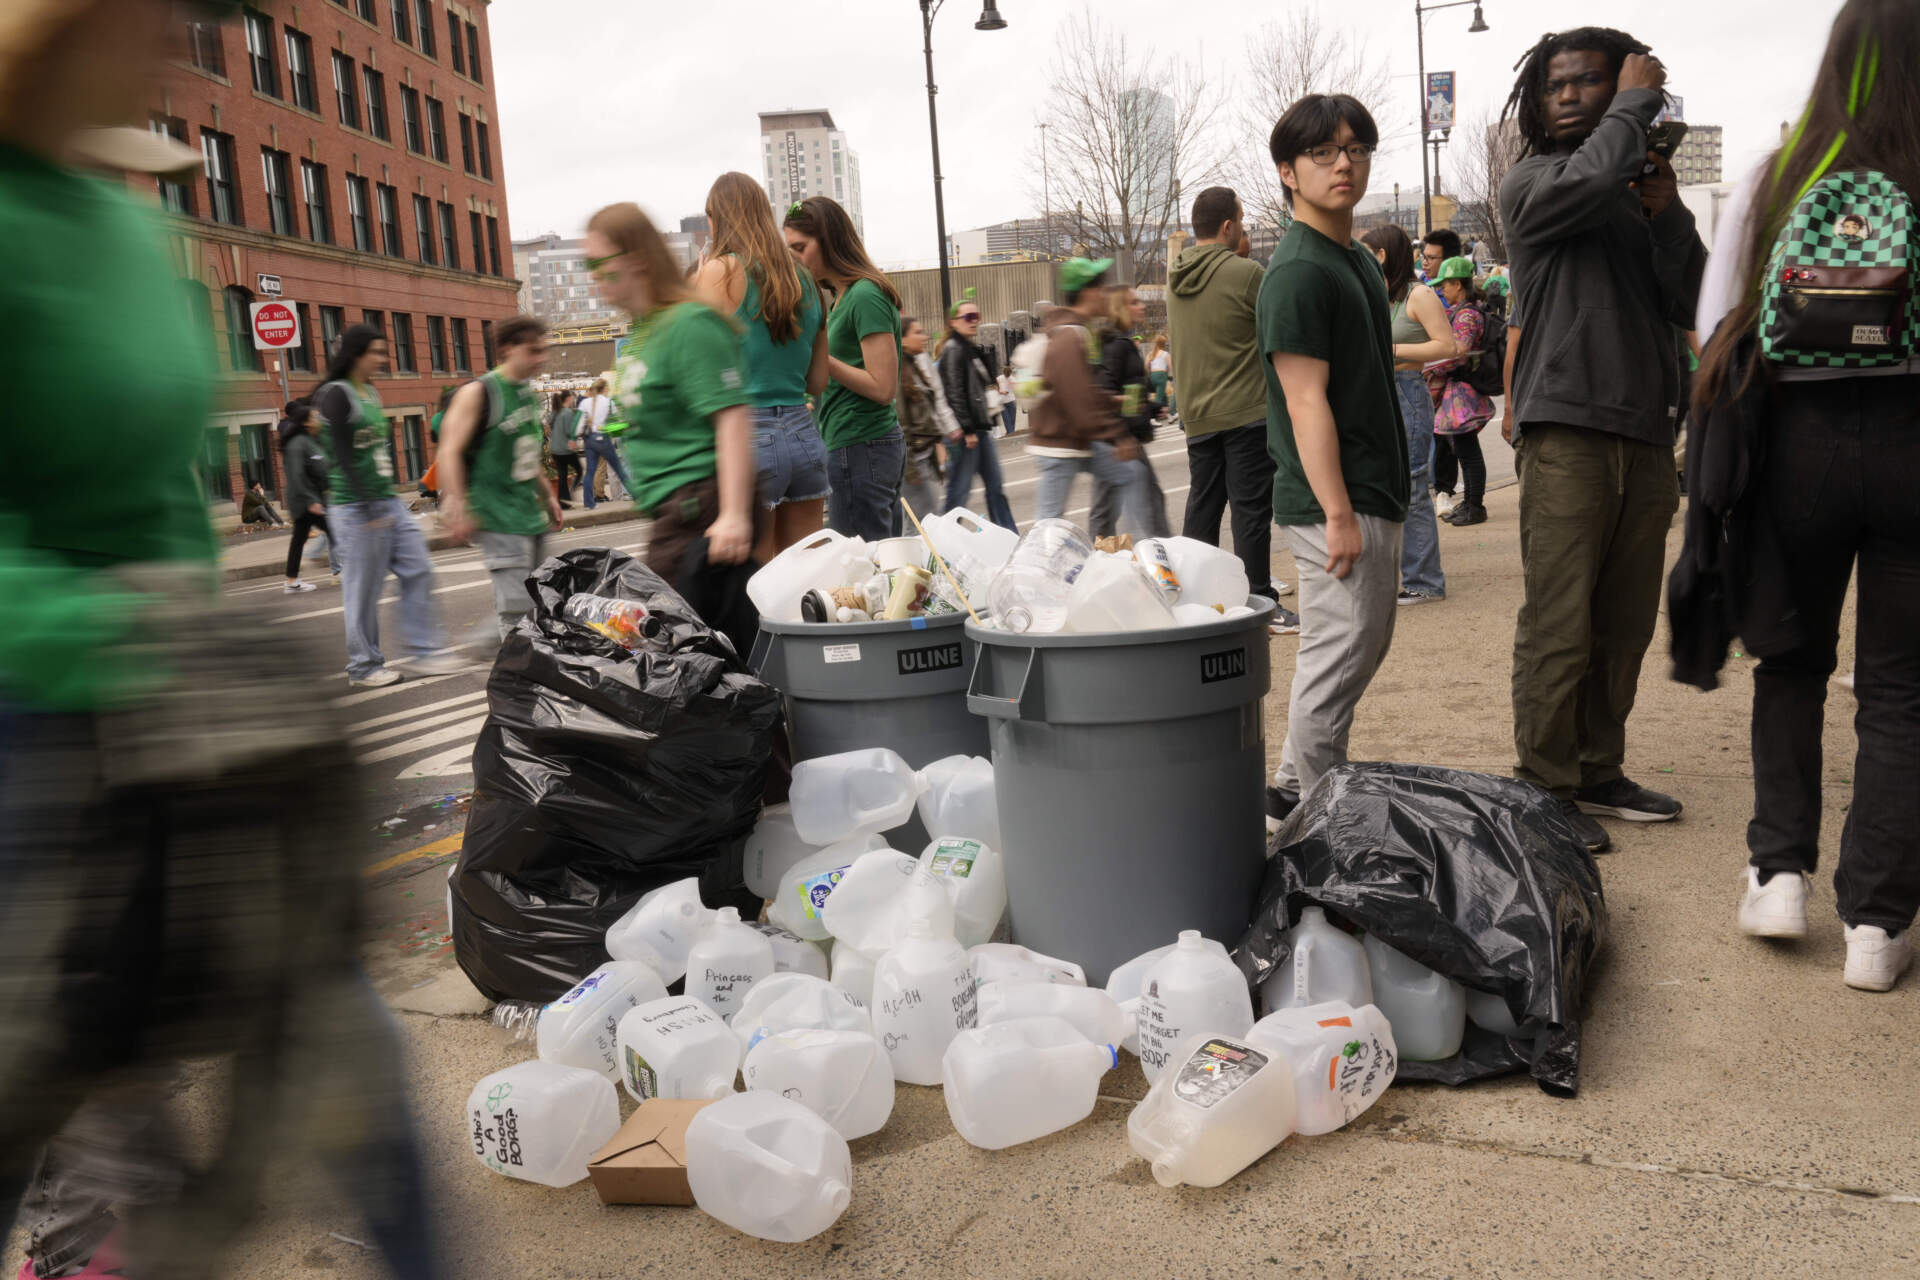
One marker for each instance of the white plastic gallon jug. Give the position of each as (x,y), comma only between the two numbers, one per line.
(1428,1010)
(1009,962)
(542,1121)
(1326,963)
(1193,988)
(1490,1013)
(957,799)
(863,910)
(1029,594)
(976,878)
(1123,984)
(832,797)
(1209,575)
(1088,1010)
(1342,1059)
(819,561)
(768,1167)
(1222,1103)
(922,997)
(726,959)
(808,884)
(962,533)
(853,972)
(1194,615)
(1113,593)
(660,927)
(792,953)
(771,849)
(844,1077)
(582,1027)
(797,1001)
(1016,1081)
(677,1048)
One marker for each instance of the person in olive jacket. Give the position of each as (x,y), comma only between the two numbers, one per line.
(306,468)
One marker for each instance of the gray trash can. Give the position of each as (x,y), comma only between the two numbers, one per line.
(851,685)
(1129,768)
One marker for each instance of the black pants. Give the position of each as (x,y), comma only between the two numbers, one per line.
(1464,450)
(303,524)
(566,466)
(1233,466)
(1446,464)
(1841,484)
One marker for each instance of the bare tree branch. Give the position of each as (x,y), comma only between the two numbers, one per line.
(1479,158)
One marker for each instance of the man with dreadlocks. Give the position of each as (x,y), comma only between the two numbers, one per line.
(1606,262)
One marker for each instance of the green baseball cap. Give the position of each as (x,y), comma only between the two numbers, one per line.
(1454,269)
(1077,273)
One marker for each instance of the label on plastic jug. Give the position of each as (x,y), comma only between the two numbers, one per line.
(815,891)
(1216,1070)
(954,858)
(496,1136)
(587,984)
(1359,1071)
(840,653)
(641,1076)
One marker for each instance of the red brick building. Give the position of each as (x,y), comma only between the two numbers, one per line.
(351,156)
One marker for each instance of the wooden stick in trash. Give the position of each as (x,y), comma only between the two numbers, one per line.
(951,580)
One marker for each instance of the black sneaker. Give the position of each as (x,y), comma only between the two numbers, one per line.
(1625,798)
(1465,514)
(1591,833)
(1285,622)
(1281,803)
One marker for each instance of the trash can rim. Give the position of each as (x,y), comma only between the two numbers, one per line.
(824,630)
(1262,613)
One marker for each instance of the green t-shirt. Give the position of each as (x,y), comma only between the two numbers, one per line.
(675,369)
(847,417)
(777,371)
(109,476)
(1329,302)
(504,488)
(370,453)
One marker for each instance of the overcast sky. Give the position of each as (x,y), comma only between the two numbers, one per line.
(650,100)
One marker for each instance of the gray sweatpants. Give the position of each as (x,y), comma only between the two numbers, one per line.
(1346,627)
(509,558)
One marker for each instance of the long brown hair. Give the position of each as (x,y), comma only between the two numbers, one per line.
(841,253)
(632,232)
(741,223)
(1120,309)
(1392,239)
(1847,125)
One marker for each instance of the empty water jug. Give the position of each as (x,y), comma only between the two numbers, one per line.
(1114,593)
(1016,1081)
(976,880)
(542,1121)
(726,959)
(808,884)
(962,533)
(853,972)
(844,1077)
(864,909)
(798,1001)
(922,997)
(1010,962)
(833,797)
(1209,575)
(771,849)
(768,1167)
(677,1048)
(1195,615)
(957,799)
(1342,1059)
(1089,1010)
(1123,984)
(1428,1010)
(1326,964)
(1489,1012)
(825,559)
(1030,592)
(1222,1103)
(582,1027)
(792,953)
(1192,988)
(660,927)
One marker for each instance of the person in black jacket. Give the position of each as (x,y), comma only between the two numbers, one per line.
(967,375)
(1123,373)
(306,468)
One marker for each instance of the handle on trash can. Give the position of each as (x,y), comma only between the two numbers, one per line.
(984,704)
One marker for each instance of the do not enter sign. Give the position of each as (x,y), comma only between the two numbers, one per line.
(274,326)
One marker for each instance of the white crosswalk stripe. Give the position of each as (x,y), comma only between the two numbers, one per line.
(466,729)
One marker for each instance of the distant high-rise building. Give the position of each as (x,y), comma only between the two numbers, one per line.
(802,154)
(1149,124)
(1023,239)
(1698,161)
(555,282)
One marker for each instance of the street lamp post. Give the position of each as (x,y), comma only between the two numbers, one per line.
(1420,12)
(990,20)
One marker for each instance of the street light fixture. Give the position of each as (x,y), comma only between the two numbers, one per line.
(1420,12)
(990,20)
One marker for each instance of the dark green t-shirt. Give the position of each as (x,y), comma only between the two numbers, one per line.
(846,416)
(674,371)
(505,490)
(1329,302)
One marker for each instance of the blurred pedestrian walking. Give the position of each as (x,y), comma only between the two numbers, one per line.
(926,421)
(972,394)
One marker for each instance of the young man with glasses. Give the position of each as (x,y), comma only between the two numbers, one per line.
(1340,486)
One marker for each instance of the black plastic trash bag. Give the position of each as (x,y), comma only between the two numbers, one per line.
(602,774)
(1477,877)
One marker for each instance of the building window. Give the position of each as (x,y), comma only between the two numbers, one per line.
(460,347)
(223,198)
(343,91)
(313,187)
(437,344)
(423,230)
(266,76)
(425,8)
(482,139)
(359,213)
(413,448)
(240,352)
(300,70)
(486,341)
(403,343)
(479,239)
(390,243)
(300,354)
(205,49)
(410,118)
(175,196)
(279,198)
(256,458)
(365,9)
(493,246)
(448,243)
(333,322)
(466,142)
(453,42)
(377,319)
(402,22)
(213,463)
(437,130)
(376,104)
(473,53)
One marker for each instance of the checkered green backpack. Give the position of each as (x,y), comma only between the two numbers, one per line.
(1838,292)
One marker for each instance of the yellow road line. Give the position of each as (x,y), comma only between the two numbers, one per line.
(450,844)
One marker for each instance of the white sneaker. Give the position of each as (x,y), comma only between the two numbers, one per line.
(1444,503)
(1874,960)
(378,680)
(297,585)
(1776,909)
(444,663)
(1281,589)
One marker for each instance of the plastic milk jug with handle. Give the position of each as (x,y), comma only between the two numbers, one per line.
(962,533)
(542,1121)
(660,927)
(768,1167)
(1123,984)
(832,797)
(1342,1060)
(726,960)
(1326,963)
(1088,1010)
(957,799)
(1192,988)
(677,1048)
(1428,1010)
(797,1001)
(863,909)
(1222,1103)
(582,1027)
(792,953)
(817,561)
(804,890)
(1113,593)
(1016,1081)
(922,997)
(975,877)
(844,1077)
(1010,962)
(1209,575)
(772,847)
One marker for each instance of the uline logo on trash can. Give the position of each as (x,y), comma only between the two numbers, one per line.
(938,657)
(1230,665)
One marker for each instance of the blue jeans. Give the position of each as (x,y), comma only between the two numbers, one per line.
(1127,479)
(1010,414)
(599,448)
(1420,552)
(984,458)
(866,478)
(789,455)
(370,552)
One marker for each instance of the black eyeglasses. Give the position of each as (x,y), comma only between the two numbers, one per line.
(1358,152)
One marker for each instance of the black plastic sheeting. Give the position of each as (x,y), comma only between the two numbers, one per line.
(602,774)
(1477,877)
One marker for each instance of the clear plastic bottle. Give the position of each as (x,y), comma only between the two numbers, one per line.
(677,1048)
(792,953)
(1428,1010)
(625,622)
(1010,962)
(771,849)
(922,997)
(1016,1081)
(660,927)
(1158,562)
(797,1001)
(1114,593)
(833,797)
(844,1077)
(726,960)
(1029,594)
(957,799)
(767,1166)
(1342,1060)
(975,876)
(1327,963)
(1089,1010)
(1194,987)
(582,1027)
(541,1121)
(1222,1103)
(808,883)
(865,907)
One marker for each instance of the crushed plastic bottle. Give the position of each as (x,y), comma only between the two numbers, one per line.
(844,1077)
(625,622)
(677,1048)
(1158,563)
(833,797)
(792,953)
(865,906)
(1489,1012)
(659,928)
(519,1019)
(808,884)
(1342,1060)
(1222,1103)
(1123,984)
(1192,988)
(853,972)
(975,876)
(726,959)
(1428,1010)
(1010,962)
(772,848)
(767,1166)
(923,996)
(1030,592)
(957,799)
(797,1001)
(1088,1010)
(582,1027)
(1327,963)
(1012,1082)
(1114,593)
(541,1121)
